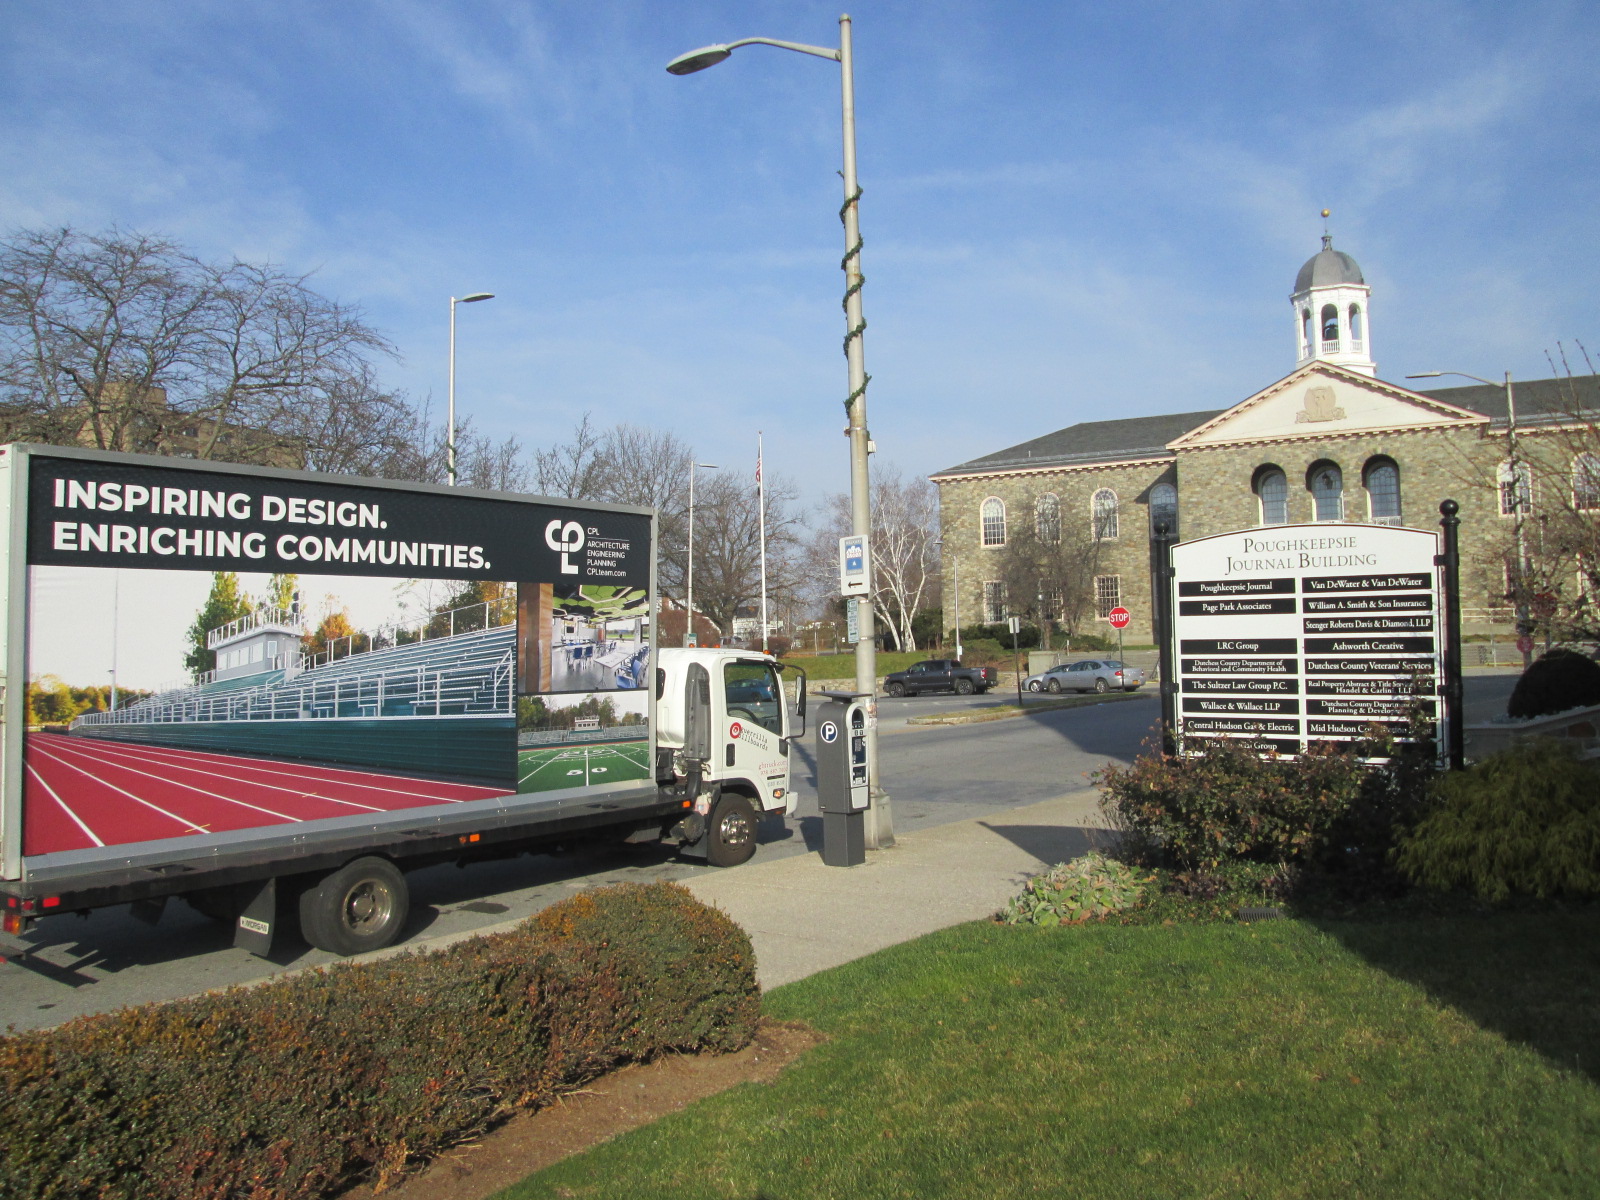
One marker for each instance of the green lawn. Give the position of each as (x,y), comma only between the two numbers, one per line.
(1447,1057)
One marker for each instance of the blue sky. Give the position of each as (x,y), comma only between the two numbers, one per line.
(1072,211)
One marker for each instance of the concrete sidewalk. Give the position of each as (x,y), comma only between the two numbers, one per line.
(804,917)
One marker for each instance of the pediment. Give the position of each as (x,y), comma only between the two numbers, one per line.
(1320,400)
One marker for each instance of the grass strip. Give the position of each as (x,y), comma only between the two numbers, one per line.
(1418,1058)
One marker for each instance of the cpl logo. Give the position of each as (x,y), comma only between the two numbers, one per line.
(566,539)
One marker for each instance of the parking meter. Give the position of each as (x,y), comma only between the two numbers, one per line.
(843,772)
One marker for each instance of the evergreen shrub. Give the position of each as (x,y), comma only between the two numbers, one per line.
(1555,682)
(298,1087)
(1525,821)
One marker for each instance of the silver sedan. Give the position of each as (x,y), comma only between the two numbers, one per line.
(1090,675)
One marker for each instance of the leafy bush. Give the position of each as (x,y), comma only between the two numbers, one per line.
(979,652)
(1093,643)
(1028,636)
(297,1087)
(1229,802)
(1555,682)
(1525,821)
(1091,886)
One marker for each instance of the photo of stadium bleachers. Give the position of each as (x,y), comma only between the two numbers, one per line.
(583,639)
(579,740)
(427,708)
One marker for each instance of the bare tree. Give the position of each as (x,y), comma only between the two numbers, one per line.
(125,341)
(905,525)
(727,544)
(1049,569)
(572,469)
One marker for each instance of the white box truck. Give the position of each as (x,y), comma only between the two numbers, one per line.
(272,692)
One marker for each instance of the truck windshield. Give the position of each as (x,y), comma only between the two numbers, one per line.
(753,694)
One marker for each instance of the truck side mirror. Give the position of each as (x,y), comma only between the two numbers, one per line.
(799,700)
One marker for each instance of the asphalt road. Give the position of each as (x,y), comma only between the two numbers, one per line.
(933,775)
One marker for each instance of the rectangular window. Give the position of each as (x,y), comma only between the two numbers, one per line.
(1053,605)
(994,601)
(1586,482)
(1516,489)
(1107,594)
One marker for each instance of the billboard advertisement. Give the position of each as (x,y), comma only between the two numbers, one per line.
(211,651)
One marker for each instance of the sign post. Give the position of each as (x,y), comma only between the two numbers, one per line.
(1016,654)
(1297,634)
(1119,618)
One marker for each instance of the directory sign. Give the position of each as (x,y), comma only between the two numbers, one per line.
(1296,634)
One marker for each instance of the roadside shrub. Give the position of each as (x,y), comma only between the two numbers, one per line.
(1087,887)
(1525,821)
(297,1087)
(1555,682)
(1093,643)
(982,652)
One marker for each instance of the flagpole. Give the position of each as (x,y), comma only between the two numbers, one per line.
(761,503)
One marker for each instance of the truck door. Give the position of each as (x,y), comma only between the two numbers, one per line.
(753,725)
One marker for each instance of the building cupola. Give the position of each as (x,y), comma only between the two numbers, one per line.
(1331,318)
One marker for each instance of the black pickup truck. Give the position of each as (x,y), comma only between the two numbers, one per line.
(940,675)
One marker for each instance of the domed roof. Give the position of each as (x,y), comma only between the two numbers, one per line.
(1328,268)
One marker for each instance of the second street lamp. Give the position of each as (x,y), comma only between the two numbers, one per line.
(1520,490)
(880,824)
(689,638)
(450,419)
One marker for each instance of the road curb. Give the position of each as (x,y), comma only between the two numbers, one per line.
(976,715)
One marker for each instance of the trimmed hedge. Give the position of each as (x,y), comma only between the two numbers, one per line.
(295,1088)
(1553,683)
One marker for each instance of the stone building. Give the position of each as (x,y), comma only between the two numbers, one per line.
(1329,441)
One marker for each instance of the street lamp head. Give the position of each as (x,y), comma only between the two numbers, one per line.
(475,297)
(707,466)
(1426,375)
(698,60)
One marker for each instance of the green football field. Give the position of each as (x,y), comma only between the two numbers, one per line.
(577,766)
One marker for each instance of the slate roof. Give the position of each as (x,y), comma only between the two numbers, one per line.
(1090,442)
(1327,267)
(1539,401)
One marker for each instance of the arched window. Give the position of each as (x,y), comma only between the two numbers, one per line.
(1586,482)
(1382,479)
(1326,484)
(1272,489)
(994,522)
(1104,510)
(1305,333)
(1330,329)
(1355,327)
(1047,518)
(1164,507)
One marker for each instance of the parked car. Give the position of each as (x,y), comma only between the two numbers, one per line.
(1090,675)
(940,675)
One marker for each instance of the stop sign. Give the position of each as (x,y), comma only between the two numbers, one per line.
(1119,617)
(1524,644)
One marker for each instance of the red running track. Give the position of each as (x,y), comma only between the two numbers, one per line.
(83,792)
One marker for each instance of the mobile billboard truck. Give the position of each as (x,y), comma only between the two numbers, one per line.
(272,692)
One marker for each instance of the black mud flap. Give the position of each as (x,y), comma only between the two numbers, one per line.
(691,835)
(259,921)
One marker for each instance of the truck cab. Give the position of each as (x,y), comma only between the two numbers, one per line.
(723,743)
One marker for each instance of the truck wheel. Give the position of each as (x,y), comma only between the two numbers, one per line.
(896,689)
(731,839)
(361,906)
(963,687)
(1100,685)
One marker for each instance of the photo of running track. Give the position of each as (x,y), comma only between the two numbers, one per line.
(121,793)
(578,766)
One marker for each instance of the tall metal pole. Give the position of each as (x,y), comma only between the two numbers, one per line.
(761,503)
(688,624)
(880,821)
(450,419)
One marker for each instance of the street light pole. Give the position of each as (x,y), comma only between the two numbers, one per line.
(880,823)
(1519,506)
(450,420)
(689,638)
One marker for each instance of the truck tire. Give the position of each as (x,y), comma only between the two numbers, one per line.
(1101,686)
(964,687)
(362,906)
(895,689)
(731,837)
